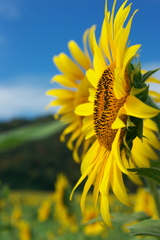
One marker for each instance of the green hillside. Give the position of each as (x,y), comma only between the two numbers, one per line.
(31,154)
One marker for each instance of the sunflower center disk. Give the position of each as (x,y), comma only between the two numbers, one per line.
(106,107)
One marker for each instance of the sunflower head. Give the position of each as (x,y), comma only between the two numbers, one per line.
(106,106)
(73,91)
(116,113)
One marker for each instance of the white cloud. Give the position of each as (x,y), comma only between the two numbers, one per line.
(24,99)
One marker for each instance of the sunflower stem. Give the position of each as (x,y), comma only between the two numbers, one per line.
(154,191)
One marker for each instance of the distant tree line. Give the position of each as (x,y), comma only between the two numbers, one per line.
(35,165)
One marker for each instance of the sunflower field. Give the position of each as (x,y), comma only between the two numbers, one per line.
(38,208)
(35,215)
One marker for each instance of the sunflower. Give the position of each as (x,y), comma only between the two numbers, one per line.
(115,114)
(44,210)
(89,228)
(144,202)
(62,212)
(74,92)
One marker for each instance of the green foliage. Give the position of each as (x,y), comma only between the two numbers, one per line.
(151,173)
(34,162)
(4,191)
(51,228)
(121,221)
(19,136)
(141,90)
(147,227)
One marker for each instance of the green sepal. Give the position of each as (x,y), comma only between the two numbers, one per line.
(137,77)
(141,91)
(146,75)
(139,129)
(134,70)
(132,132)
(144,94)
(135,91)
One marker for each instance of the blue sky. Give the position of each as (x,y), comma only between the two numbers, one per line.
(33,31)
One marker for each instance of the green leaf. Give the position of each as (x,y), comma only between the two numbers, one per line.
(127,218)
(148,74)
(151,173)
(148,227)
(122,218)
(19,136)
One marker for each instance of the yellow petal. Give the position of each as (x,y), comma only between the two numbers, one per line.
(108,163)
(70,128)
(91,34)
(136,108)
(122,41)
(104,40)
(59,102)
(118,123)
(139,159)
(93,78)
(148,123)
(155,95)
(84,109)
(90,181)
(121,16)
(97,184)
(92,92)
(75,134)
(130,164)
(76,148)
(84,175)
(98,60)
(146,151)
(78,55)
(87,164)
(67,66)
(65,81)
(151,138)
(67,118)
(86,145)
(88,127)
(90,156)
(118,186)
(65,109)
(130,53)
(119,89)
(104,208)
(116,153)
(62,93)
